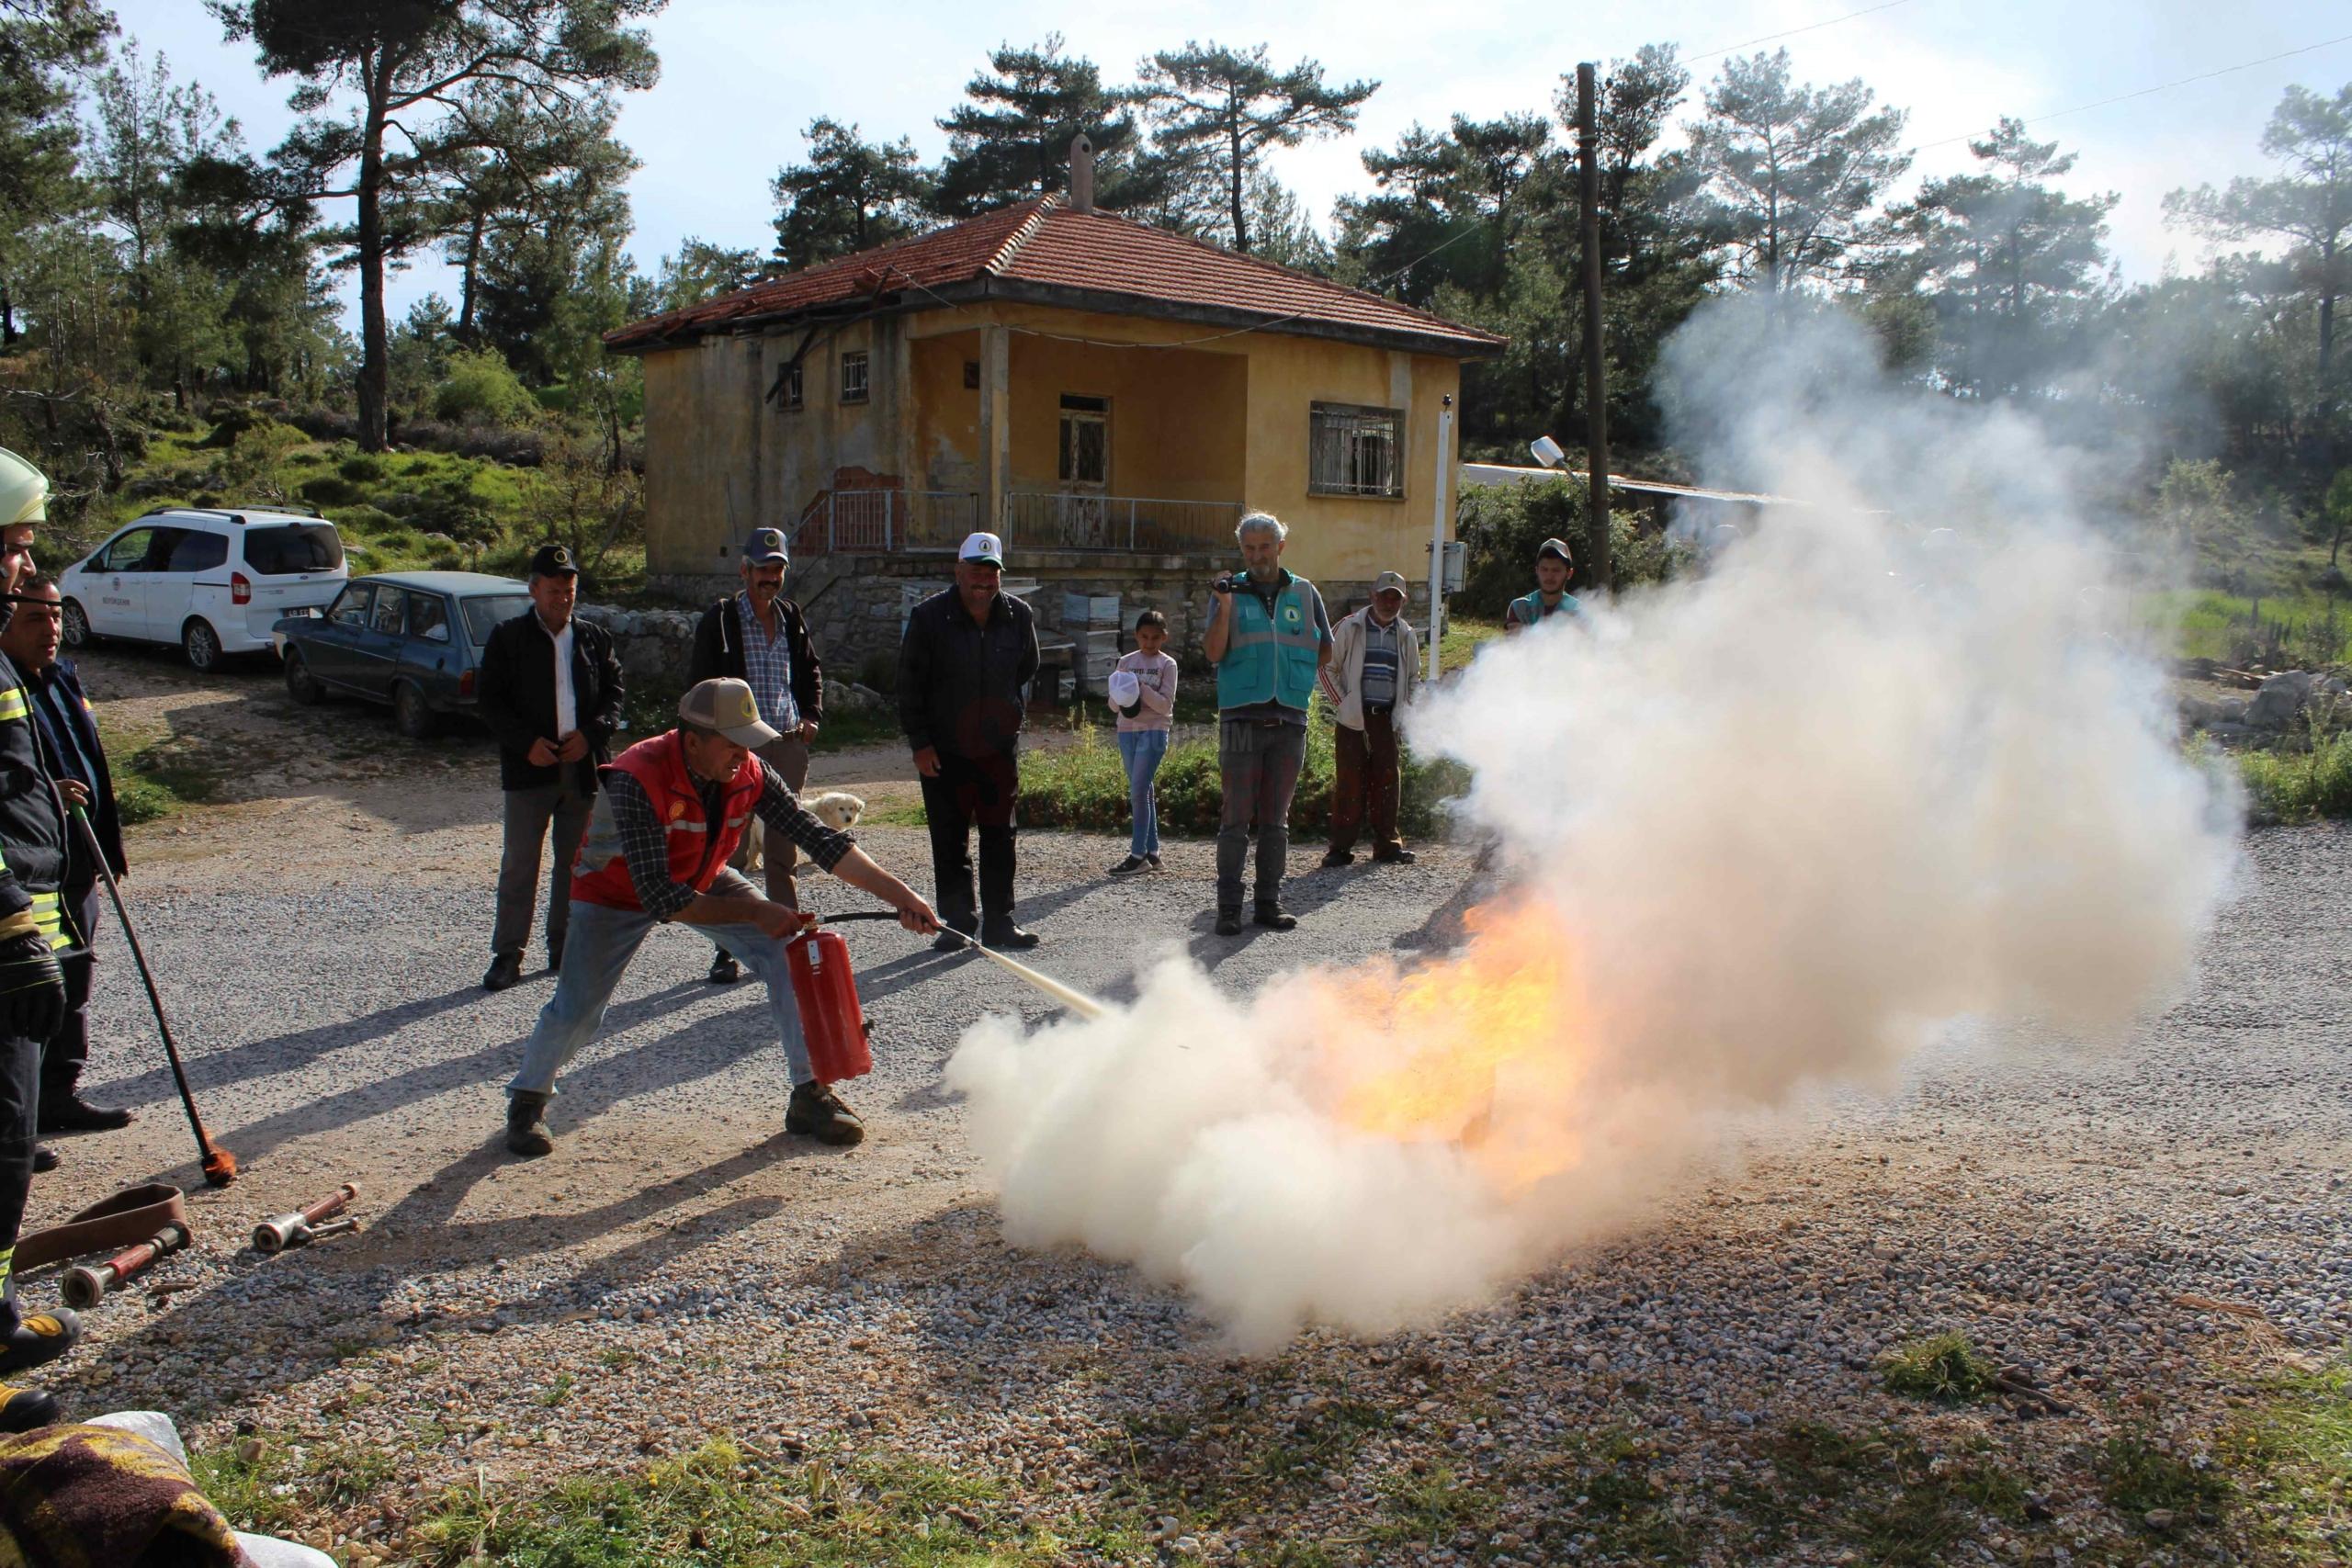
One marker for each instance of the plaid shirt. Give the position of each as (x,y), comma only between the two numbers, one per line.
(645,842)
(767,668)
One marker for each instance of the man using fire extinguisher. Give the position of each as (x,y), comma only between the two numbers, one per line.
(669,815)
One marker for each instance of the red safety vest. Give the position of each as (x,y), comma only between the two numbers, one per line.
(697,849)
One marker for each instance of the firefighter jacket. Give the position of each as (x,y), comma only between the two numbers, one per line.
(33,830)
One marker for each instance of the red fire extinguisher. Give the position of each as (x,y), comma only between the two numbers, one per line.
(830,1018)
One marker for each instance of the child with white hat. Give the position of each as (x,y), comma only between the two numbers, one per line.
(1143,694)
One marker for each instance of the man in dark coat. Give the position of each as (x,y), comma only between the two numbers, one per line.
(77,759)
(758,637)
(964,670)
(550,692)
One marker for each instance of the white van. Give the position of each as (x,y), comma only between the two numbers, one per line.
(214,583)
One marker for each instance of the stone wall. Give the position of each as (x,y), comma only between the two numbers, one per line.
(856,604)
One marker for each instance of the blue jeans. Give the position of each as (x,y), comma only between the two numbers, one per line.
(1141,750)
(596,952)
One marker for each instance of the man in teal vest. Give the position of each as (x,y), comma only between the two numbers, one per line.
(1269,636)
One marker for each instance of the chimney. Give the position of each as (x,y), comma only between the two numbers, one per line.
(1082,175)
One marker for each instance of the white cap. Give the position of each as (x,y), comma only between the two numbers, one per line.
(1126,689)
(983,548)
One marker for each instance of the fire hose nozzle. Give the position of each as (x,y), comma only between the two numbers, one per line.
(278,1232)
(86,1286)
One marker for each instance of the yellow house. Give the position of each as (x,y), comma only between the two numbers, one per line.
(1108,395)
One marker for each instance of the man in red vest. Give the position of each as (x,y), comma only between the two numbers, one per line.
(668,818)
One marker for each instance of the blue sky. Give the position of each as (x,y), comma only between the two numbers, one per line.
(740,78)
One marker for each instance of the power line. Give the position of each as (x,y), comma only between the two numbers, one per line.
(2161,87)
(1809,27)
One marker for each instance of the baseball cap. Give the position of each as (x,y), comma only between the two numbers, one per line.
(985,548)
(1557,549)
(554,561)
(1125,689)
(1386,580)
(726,705)
(765,544)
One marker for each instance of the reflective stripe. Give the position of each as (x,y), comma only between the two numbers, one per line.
(49,914)
(689,827)
(7,1263)
(12,704)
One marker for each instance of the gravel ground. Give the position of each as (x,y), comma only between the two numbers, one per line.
(679,1268)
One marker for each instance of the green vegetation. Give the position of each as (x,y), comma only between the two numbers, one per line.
(1084,785)
(1943,1366)
(2286,786)
(2293,1455)
(269,1482)
(154,777)
(2139,1473)
(721,1506)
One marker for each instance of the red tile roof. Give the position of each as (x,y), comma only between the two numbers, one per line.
(1041,251)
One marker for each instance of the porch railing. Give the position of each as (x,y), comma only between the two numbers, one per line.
(866,522)
(1076,521)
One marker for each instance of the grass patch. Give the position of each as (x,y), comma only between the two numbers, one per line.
(283,1482)
(154,778)
(1085,785)
(2294,1459)
(2137,1474)
(722,1506)
(1944,1367)
(2298,630)
(1464,636)
(1433,1508)
(1878,1496)
(2284,787)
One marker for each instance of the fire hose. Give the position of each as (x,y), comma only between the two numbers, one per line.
(306,1225)
(86,1287)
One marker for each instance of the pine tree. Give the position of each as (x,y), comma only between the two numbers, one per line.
(1217,112)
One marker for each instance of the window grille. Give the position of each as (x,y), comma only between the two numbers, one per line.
(1355,451)
(852,377)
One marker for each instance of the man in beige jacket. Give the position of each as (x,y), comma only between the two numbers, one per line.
(1374,657)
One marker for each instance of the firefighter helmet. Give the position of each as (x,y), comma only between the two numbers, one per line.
(24,491)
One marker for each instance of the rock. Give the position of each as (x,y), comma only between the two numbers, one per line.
(2160,1518)
(2281,699)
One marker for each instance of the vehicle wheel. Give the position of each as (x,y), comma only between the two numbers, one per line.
(77,625)
(202,646)
(411,713)
(301,684)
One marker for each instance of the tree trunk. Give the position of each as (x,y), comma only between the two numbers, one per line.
(1233,188)
(2326,346)
(472,271)
(8,318)
(375,345)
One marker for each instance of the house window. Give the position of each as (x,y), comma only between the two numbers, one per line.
(852,377)
(791,386)
(1086,441)
(1354,451)
(971,375)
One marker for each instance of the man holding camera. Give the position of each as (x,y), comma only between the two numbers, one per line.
(1269,636)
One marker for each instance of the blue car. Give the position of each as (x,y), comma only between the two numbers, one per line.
(410,638)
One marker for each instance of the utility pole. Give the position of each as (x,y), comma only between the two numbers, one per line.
(1595,391)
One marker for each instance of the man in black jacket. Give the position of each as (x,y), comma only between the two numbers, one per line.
(77,761)
(550,688)
(758,637)
(964,670)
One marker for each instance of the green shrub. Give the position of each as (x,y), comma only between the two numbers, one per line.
(362,468)
(362,520)
(1085,786)
(328,490)
(1943,1366)
(481,388)
(1501,527)
(2285,787)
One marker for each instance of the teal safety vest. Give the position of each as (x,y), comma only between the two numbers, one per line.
(1270,659)
(1531,610)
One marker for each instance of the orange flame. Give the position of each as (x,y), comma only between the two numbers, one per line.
(1485,1048)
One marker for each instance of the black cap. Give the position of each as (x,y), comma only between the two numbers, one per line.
(1557,549)
(554,561)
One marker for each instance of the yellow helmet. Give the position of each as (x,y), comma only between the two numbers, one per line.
(24,491)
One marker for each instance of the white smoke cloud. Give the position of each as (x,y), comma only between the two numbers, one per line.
(1768,828)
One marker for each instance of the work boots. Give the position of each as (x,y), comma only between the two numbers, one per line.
(39,1339)
(505,969)
(23,1409)
(527,1132)
(723,970)
(816,1111)
(1273,917)
(67,1112)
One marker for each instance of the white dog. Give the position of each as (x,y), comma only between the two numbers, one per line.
(835,808)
